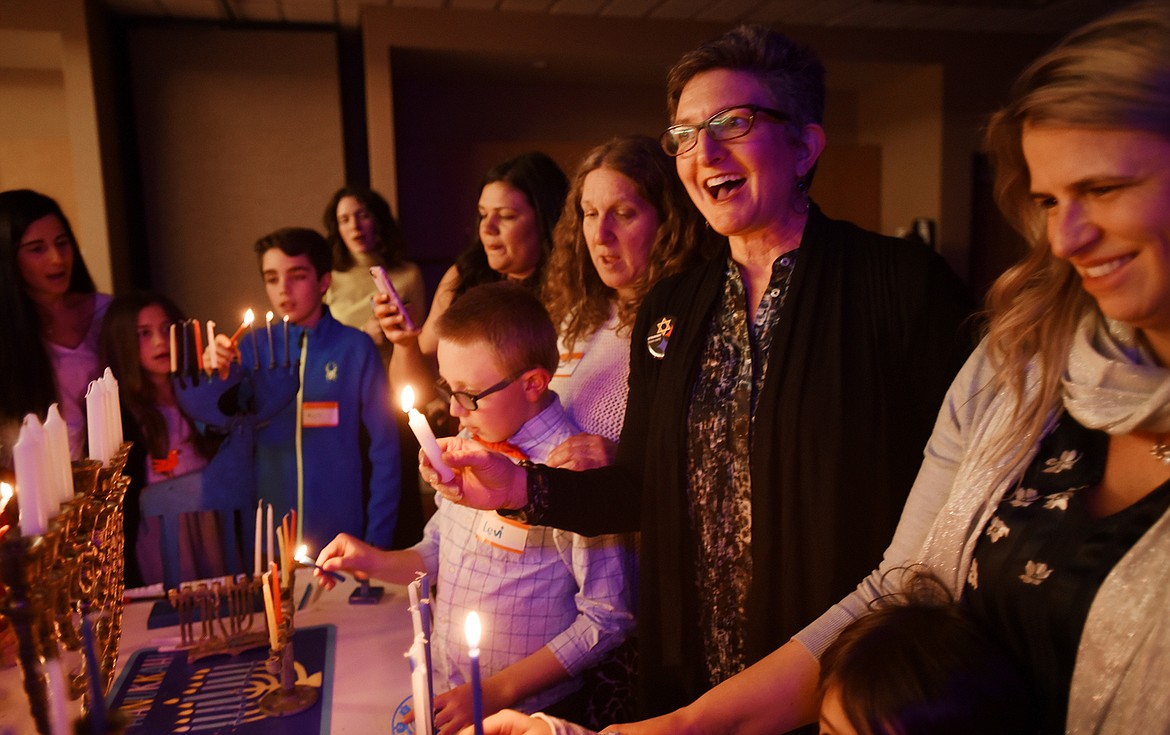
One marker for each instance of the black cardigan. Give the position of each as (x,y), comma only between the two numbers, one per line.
(872,331)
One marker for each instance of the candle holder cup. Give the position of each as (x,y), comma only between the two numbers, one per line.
(289,698)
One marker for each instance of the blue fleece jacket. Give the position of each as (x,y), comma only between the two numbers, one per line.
(344,398)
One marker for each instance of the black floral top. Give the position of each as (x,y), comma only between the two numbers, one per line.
(722,405)
(1042,557)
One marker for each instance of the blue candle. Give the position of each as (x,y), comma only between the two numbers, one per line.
(471,629)
(255,347)
(97,699)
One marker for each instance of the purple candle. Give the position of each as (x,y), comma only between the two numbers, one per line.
(471,629)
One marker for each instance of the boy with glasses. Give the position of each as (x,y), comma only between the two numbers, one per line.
(553,603)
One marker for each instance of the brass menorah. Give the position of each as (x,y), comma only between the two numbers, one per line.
(231,632)
(74,568)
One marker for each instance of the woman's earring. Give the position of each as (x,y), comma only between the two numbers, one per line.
(801,203)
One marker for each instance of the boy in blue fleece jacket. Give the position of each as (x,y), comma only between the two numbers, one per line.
(342,405)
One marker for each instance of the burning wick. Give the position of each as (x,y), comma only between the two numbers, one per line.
(302,557)
(248,319)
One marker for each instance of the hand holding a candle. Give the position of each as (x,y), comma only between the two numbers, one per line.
(221,353)
(482,478)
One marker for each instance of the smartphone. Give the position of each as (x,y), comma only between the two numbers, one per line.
(382,281)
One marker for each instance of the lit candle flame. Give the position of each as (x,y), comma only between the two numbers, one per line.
(6,493)
(471,629)
(285,317)
(268,317)
(302,553)
(407,399)
(249,317)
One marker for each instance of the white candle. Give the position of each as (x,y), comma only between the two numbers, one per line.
(412,594)
(57,438)
(271,537)
(174,349)
(95,422)
(28,459)
(6,494)
(426,437)
(211,344)
(421,700)
(113,412)
(259,535)
(58,698)
(271,349)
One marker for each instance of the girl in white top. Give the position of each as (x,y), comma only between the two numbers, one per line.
(52,314)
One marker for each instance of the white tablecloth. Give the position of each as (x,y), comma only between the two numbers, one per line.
(371,676)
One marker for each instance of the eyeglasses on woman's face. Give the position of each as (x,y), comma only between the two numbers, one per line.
(470,401)
(727,124)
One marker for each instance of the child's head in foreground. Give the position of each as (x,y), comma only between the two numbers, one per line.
(497,351)
(296,264)
(917,665)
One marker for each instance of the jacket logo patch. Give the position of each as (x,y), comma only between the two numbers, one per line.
(658,341)
(331,371)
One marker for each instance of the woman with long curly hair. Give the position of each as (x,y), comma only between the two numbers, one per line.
(627,223)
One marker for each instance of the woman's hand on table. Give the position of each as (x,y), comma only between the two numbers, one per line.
(511,722)
(391,321)
(483,479)
(345,554)
(583,452)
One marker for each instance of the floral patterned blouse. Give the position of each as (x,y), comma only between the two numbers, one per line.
(1042,557)
(719,435)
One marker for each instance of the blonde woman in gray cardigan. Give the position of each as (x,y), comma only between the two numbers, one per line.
(1044,498)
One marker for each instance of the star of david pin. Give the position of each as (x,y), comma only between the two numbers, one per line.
(658,341)
(331,371)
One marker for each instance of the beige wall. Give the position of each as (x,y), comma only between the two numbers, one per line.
(901,112)
(904,118)
(52,141)
(239,130)
(239,133)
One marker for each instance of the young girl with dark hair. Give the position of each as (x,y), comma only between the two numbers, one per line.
(166,443)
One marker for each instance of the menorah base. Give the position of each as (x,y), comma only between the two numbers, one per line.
(232,645)
(282,703)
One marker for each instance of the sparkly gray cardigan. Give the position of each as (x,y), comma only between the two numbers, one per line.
(1121,682)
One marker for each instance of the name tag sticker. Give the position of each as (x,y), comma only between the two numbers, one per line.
(503,533)
(318,414)
(568,363)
